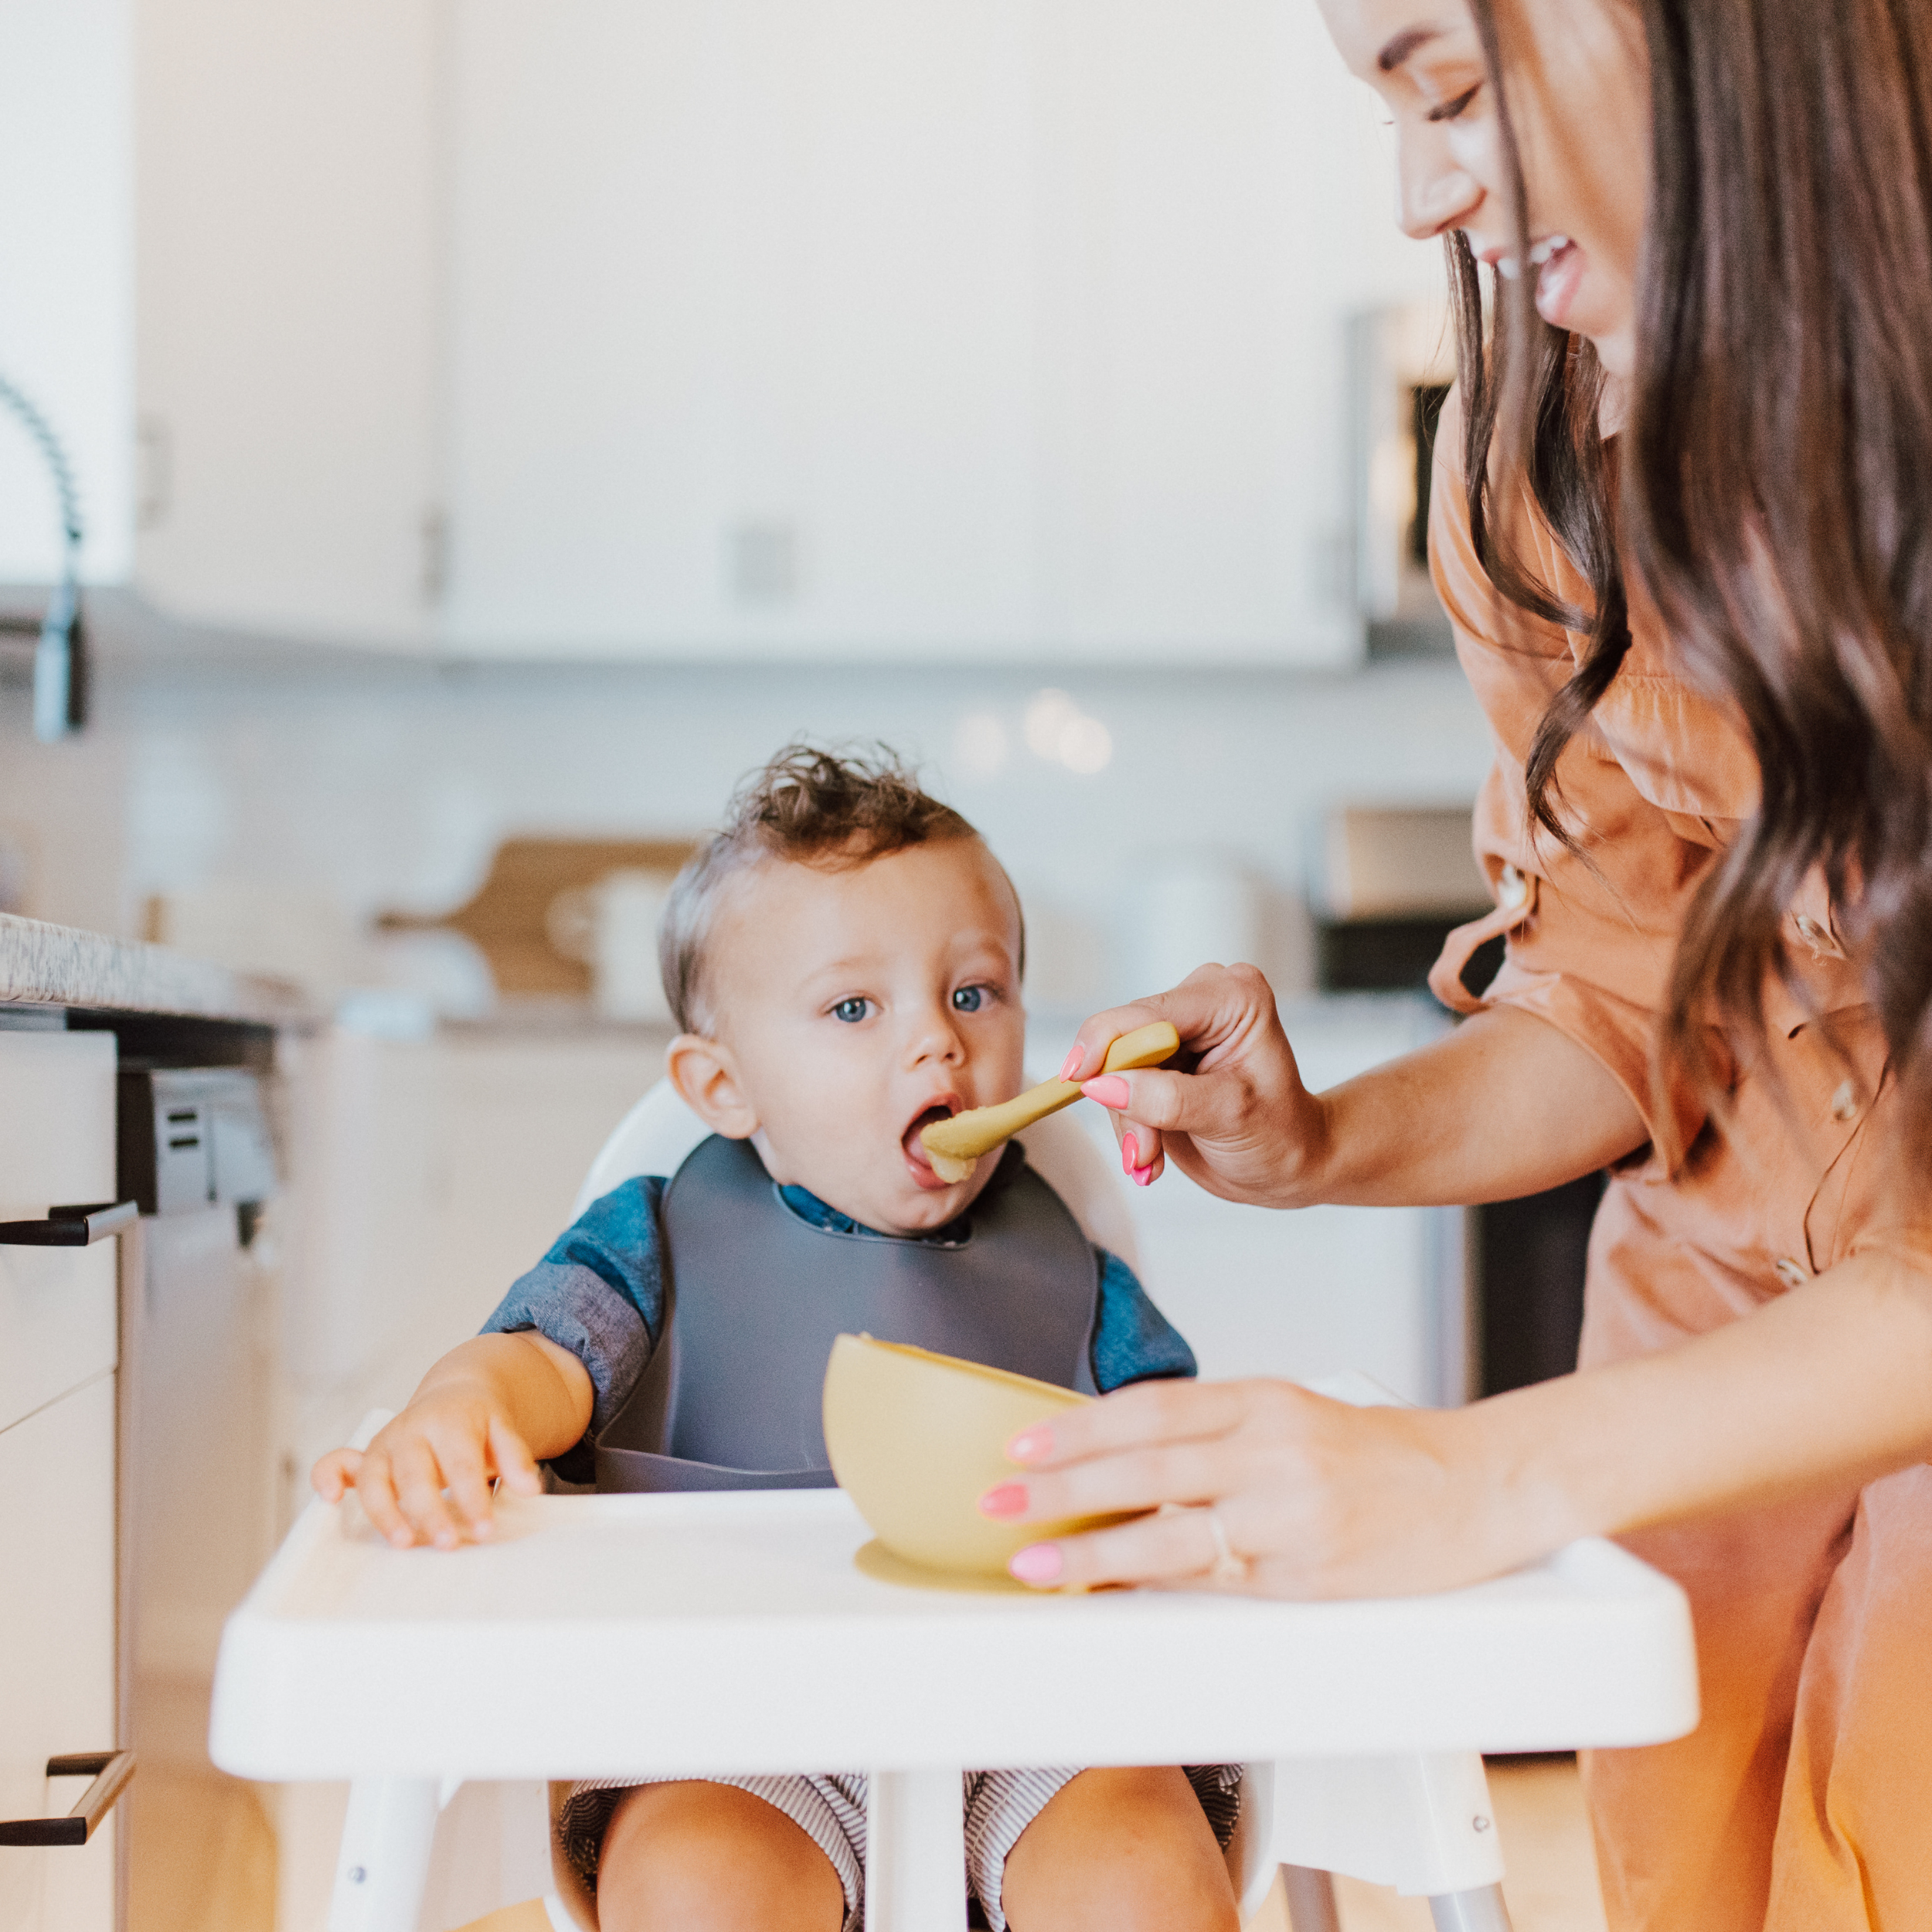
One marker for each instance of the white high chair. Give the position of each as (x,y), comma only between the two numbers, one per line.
(351,1660)
(1422,1824)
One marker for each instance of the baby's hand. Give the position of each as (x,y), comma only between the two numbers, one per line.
(455,1438)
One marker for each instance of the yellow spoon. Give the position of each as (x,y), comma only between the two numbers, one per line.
(954,1146)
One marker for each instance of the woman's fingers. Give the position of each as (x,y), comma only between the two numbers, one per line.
(1129,1480)
(1230,1110)
(1151,1097)
(1149,1414)
(1175,1546)
(1089,1052)
(1140,1150)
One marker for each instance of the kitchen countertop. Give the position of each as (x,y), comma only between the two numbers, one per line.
(62,966)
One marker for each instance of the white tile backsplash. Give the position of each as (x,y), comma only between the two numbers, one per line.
(366,783)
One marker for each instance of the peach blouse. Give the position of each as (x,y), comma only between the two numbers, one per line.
(1699,1227)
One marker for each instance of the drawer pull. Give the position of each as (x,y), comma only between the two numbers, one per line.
(110,1770)
(71,1227)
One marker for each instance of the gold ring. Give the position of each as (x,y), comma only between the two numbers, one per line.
(1228,1567)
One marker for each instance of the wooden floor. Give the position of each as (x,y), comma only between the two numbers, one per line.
(206,1854)
(208,1861)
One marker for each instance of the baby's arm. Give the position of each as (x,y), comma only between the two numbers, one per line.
(494,1407)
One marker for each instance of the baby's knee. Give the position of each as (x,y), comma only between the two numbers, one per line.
(696,1857)
(1120,1850)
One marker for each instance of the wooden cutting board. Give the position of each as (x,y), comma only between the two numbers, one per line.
(530,915)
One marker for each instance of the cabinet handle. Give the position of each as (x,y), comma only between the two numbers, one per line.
(110,1770)
(71,1227)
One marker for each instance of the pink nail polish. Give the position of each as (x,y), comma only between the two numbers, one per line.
(1037,1564)
(1130,1154)
(1109,1089)
(1143,1176)
(1008,1499)
(1030,1445)
(1072,1064)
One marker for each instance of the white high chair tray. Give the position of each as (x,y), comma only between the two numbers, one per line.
(603,1635)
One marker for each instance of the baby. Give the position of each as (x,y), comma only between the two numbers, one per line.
(845,960)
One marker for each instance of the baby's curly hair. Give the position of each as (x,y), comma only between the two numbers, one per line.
(809,805)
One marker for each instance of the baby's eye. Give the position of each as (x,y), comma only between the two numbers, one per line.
(852,1011)
(970,999)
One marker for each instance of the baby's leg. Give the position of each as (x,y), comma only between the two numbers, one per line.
(694,1857)
(1120,1851)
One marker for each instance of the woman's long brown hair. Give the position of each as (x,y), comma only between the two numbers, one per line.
(1777,482)
(1546,386)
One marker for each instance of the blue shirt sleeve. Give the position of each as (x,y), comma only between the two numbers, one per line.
(599,1294)
(1133,1341)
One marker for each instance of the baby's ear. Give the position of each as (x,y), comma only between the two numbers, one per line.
(706,1075)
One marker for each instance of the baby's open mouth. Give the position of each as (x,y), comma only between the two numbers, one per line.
(916,1157)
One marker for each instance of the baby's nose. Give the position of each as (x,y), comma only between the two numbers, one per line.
(937,1038)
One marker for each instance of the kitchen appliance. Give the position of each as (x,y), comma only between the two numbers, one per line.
(1402,361)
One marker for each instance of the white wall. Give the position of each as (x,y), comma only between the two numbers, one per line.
(371,783)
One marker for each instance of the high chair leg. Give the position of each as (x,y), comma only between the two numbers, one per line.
(384,1863)
(1482,1910)
(1311,1896)
(915,1852)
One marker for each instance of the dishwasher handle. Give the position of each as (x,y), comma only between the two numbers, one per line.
(79,1227)
(111,1771)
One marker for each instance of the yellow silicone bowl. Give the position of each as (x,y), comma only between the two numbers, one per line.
(916,1438)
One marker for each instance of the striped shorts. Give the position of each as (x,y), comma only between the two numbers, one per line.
(830,1808)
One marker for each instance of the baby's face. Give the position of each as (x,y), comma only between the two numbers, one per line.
(859,1005)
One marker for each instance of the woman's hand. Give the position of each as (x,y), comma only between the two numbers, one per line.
(1232,1113)
(1314,1497)
(1505,1104)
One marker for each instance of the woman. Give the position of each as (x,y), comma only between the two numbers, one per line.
(1694,593)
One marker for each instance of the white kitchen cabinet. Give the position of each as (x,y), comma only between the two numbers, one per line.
(67,231)
(877,327)
(56,1651)
(447,1167)
(287,315)
(57,1305)
(755,328)
(58,1354)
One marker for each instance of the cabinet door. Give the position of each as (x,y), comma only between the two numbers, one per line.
(874,327)
(66,333)
(57,1649)
(286,314)
(742,305)
(57,1305)
(1214,197)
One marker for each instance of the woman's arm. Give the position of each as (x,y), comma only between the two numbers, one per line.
(1504,1106)
(1832,1382)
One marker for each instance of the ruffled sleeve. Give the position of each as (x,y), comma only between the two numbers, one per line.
(1652,790)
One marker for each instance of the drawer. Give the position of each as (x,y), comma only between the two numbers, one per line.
(56,1651)
(57,1305)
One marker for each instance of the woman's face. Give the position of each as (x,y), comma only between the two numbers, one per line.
(1579,95)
